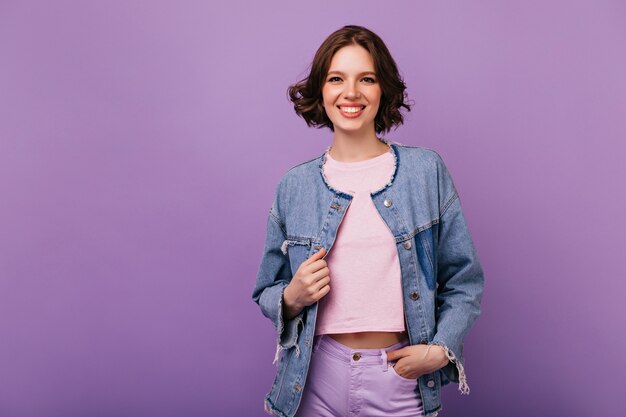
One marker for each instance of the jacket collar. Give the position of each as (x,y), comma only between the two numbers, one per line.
(396,162)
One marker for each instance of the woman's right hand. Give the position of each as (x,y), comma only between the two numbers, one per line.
(309,284)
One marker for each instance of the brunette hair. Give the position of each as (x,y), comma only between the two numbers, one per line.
(306,94)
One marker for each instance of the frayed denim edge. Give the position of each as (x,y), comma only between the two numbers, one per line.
(463,387)
(280,331)
(268,409)
(279,347)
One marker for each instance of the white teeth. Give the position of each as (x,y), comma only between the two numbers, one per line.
(351,109)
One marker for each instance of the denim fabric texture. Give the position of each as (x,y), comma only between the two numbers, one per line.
(442,279)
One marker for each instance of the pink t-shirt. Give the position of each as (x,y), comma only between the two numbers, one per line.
(365,280)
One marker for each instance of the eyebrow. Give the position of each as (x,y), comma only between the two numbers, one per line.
(363,73)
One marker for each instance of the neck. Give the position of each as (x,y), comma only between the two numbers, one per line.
(346,148)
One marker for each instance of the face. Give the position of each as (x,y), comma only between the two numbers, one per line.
(351,92)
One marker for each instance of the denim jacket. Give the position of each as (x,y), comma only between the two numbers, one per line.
(442,279)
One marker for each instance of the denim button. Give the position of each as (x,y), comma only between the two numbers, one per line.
(423,342)
(430,384)
(387,203)
(407,244)
(356,356)
(414,295)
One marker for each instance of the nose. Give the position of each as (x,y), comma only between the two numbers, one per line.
(352,91)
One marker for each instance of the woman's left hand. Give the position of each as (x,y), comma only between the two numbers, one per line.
(417,360)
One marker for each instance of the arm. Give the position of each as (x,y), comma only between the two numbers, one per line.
(289,309)
(460,280)
(273,275)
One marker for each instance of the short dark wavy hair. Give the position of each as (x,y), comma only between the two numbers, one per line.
(306,94)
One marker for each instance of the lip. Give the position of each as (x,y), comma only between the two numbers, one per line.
(351,115)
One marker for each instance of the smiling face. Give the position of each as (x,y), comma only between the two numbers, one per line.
(351,92)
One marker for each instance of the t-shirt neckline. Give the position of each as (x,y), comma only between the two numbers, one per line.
(366,163)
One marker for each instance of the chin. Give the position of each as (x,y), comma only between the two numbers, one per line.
(351,128)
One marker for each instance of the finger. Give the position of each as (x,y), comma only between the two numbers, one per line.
(321,273)
(317,255)
(323,291)
(396,354)
(317,286)
(317,266)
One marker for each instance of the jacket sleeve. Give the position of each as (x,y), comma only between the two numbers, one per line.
(273,275)
(460,280)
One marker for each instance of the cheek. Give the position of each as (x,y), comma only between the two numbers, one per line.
(325,98)
(377,96)
(329,94)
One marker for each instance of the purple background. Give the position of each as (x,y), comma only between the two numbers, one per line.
(140,144)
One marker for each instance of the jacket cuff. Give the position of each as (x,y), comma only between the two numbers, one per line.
(454,370)
(287,331)
(288,338)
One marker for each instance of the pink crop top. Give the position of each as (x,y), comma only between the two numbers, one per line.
(365,280)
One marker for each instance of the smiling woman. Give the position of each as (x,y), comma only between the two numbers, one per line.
(374,58)
(380,223)
(351,96)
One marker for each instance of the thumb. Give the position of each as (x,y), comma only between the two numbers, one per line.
(394,355)
(317,255)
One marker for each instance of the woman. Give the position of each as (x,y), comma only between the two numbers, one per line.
(369,273)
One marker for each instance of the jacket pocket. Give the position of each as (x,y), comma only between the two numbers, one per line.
(426,256)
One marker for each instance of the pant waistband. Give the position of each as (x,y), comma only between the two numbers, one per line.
(355,356)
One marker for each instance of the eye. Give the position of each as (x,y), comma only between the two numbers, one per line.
(334,79)
(369,80)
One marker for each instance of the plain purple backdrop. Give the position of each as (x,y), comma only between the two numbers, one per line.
(140,144)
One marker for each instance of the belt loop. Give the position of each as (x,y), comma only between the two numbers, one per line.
(383,354)
(317,342)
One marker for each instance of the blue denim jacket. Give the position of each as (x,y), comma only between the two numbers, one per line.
(442,279)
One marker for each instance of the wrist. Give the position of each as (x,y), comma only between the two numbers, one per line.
(290,308)
(440,358)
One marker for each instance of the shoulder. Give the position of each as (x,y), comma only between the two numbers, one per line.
(419,157)
(299,174)
(428,165)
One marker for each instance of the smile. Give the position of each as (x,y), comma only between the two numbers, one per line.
(351,111)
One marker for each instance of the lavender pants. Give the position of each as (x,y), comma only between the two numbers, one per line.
(348,382)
